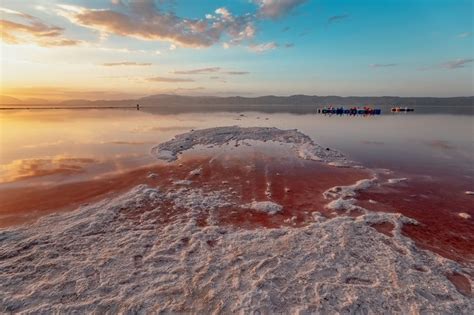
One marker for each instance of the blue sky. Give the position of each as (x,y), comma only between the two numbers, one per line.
(116,48)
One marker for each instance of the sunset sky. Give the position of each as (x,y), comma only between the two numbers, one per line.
(115,49)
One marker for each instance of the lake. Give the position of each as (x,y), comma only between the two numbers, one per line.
(84,201)
(56,146)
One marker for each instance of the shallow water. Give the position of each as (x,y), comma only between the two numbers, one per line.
(243,227)
(56,146)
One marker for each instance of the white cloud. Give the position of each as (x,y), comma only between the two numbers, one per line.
(199,71)
(143,20)
(168,79)
(260,48)
(224,13)
(26,28)
(276,8)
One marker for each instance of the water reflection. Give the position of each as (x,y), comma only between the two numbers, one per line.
(64,145)
(38,167)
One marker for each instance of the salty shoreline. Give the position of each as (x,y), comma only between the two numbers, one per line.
(174,264)
(260,231)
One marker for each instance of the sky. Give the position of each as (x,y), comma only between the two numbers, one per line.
(118,49)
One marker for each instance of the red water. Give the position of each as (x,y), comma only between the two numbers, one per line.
(436,205)
(295,184)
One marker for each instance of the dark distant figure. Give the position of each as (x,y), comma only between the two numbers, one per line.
(138,106)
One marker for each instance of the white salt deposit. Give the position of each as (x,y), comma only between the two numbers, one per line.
(198,199)
(343,196)
(301,143)
(165,155)
(264,206)
(196,172)
(182,182)
(464,215)
(469,192)
(97,260)
(396,180)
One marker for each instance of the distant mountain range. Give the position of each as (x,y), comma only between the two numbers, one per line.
(8,100)
(168,100)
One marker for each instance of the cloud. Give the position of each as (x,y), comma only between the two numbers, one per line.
(440,144)
(199,71)
(198,88)
(44,144)
(31,29)
(237,72)
(274,9)
(458,63)
(168,79)
(337,18)
(260,48)
(119,142)
(13,12)
(382,65)
(305,32)
(126,63)
(285,29)
(289,45)
(464,35)
(209,70)
(453,64)
(224,13)
(141,19)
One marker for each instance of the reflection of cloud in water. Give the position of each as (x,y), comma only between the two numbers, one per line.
(128,142)
(164,128)
(43,144)
(440,144)
(62,142)
(37,167)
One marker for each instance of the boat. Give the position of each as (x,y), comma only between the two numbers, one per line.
(349,111)
(402,109)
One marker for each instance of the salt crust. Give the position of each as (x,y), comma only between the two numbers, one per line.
(464,215)
(96,259)
(396,180)
(264,206)
(302,144)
